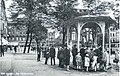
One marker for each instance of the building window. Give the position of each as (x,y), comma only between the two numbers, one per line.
(80,10)
(113,35)
(84,10)
(23,39)
(9,39)
(110,34)
(13,39)
(3,26)
(16,38)
(20,38)
(73,35)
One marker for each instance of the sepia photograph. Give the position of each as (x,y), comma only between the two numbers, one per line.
(59,37)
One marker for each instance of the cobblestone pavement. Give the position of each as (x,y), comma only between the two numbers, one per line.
(26,65)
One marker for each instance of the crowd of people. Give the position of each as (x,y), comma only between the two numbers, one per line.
(87,58)
(63,55)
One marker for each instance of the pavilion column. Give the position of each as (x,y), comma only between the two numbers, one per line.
(68,36)
(103,30)
(78,41)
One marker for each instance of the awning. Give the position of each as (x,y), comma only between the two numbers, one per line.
(4,41)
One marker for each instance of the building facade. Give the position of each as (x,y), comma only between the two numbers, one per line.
(3,21)
(17,36)
(115,39)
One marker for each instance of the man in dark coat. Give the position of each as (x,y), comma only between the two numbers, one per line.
(2,51)
(67,57)
(52,54)
(60,56)
(38,53)
(15,49)
(99,53)
(46,55)
(82,53)
(74,53)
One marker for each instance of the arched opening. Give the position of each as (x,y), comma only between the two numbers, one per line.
(73,35)
(91,34)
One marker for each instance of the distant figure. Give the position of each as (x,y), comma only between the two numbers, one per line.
(116,60)
(15,49)
(46,55)
(19,49)
(104,59)
(10,48)
(99,59)
(99,54)
(2,51)
(78,61)
(82,53)
(52,54)
(93,60)
(87,61)
(38,53)
(74,53)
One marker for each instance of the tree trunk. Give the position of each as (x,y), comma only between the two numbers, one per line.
(26,41)
(63,36)
(37,44)
(30,42)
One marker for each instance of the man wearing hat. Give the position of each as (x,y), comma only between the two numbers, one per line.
(52,54)
(74,53)
(67,57)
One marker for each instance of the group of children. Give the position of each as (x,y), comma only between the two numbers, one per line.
(90,59)
(79,62)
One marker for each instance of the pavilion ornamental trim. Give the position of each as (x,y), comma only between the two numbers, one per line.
(90,18)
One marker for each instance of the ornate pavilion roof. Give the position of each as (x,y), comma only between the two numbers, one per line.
(107,19)
(95,18)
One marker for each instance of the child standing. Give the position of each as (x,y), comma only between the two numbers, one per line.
(78,61)
(87,61)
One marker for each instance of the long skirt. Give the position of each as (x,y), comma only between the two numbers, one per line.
(94,61)
(67,61)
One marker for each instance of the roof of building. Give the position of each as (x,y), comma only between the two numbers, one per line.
(107,19)
(95,18)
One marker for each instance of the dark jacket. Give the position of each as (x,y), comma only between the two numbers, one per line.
(52,52)
(2,49)
(47,53)
(82,52)
(39,50)
(67,56)
(60,54)
(74,51)
(67,53)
